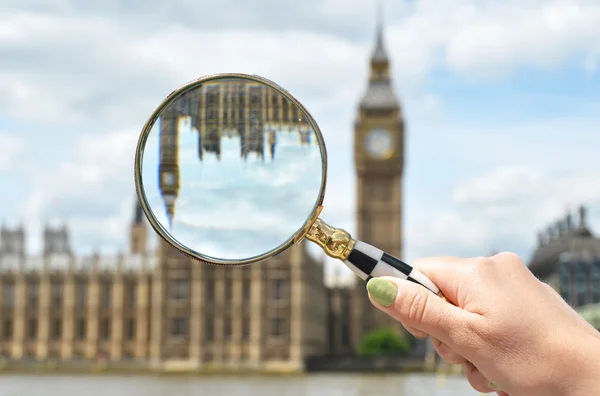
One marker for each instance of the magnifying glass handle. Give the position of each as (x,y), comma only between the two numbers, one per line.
(368,262)
(363,259)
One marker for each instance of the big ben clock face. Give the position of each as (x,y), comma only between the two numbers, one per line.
(379,143)
(169,179)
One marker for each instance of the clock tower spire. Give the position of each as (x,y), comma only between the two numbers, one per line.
(379,156)
(380,93)
(379,161)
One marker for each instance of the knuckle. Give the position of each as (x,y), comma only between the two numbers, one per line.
(480,264)
(413,306)
(481,261)
(470,334)
(507,258)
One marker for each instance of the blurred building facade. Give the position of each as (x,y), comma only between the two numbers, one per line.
(568,258)
(158,307)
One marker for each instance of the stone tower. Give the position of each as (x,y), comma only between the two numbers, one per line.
(138,237)
(379,163)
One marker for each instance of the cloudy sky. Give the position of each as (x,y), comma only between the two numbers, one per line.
(235,208)
(501,99)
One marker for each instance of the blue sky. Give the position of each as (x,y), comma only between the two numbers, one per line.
(501,101)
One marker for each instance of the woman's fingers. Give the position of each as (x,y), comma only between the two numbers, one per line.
(477,380)
(417,333)
(447,353)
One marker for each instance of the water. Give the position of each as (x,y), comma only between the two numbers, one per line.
(309,385)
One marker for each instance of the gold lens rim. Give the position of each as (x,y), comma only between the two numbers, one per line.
(163,233)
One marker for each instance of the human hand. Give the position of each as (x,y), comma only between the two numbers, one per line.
(506,327)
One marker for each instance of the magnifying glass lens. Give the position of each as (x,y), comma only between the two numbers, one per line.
(232,169)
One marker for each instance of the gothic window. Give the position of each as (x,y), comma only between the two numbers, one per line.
(209,327)
(57,294)
(255,95)
(7,329)
(226,113)
(227,327)
(595,281)
(106,329)
(56,329)
(564,279)
(228,289)
(8,295)
(278,327)
(131,329)
(212,95)
(81,329)
(279,289)
(81,294)
(210,290)
(275,107)
(245,328)
(580,278)
(179,289)
(106,295)
(178,327)
(211,116)
(246,290)
(34,291)
(285,109)
(131,293)
(32,328)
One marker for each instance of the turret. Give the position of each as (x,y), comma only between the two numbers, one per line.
(138,238)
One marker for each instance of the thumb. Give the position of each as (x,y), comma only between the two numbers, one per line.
(415,306)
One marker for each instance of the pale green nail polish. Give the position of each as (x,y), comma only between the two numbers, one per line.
(493,386)
(383,291)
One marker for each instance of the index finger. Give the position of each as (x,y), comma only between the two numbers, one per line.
(444,271)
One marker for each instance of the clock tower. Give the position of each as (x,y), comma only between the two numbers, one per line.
(379,158)
(379,162)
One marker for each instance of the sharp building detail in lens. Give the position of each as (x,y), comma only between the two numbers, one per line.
(216,111)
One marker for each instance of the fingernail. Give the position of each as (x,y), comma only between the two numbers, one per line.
(493,386)
(383,291)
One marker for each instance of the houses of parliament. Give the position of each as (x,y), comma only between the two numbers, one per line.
(161,308)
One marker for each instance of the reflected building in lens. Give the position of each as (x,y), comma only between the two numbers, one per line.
(168,170)
(250,112)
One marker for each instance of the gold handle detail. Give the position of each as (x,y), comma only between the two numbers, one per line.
(336,242)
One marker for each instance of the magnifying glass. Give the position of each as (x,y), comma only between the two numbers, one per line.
(231,169)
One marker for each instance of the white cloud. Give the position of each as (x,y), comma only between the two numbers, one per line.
(495,38)
(503,210)
(102,67)
(72,65)
(11,148)
(92,192)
